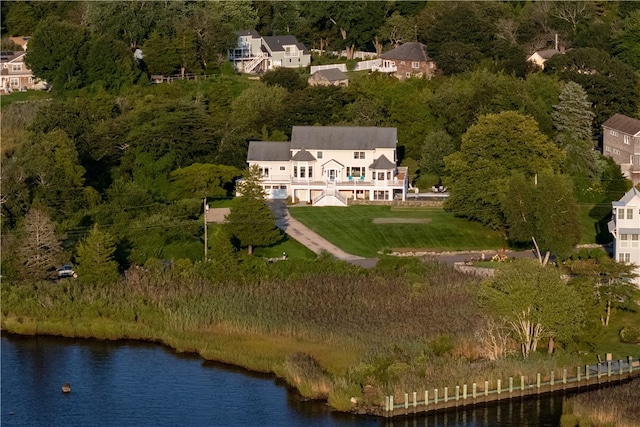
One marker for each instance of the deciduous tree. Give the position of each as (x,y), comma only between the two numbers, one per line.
(495,146)
(535,302)
(40,248)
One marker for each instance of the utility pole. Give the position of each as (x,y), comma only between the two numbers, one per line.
(206,241)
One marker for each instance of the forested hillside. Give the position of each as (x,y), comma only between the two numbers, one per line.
(111,158)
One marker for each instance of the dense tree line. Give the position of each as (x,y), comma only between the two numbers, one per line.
(112,149)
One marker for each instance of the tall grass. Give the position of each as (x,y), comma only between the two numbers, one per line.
(614,406)
(329,328)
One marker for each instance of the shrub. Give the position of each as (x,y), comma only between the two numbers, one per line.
(630,335)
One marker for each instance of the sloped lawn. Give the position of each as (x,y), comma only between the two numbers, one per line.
(354,230)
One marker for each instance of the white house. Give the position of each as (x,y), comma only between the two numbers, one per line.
(625,227)
(254,53)
(330,165)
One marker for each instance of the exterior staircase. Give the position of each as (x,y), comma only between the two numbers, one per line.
(251,65)
(330,196)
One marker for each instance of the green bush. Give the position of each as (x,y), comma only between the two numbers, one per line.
(630,335)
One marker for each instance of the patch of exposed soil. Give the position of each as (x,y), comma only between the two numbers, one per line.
(401,220)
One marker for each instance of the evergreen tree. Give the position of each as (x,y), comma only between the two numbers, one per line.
(251,222)
(573,119)
(94,259)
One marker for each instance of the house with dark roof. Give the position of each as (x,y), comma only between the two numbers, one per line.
(256,54)
(407,60)
(14,73)
(621,142)
(328,166)
(625,228)
(539,57)
(329,77)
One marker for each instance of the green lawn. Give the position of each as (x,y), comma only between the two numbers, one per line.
(353,229)
(8,99)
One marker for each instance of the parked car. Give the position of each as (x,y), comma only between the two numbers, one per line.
(66,271)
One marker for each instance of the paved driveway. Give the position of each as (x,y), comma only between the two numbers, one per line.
(310,239)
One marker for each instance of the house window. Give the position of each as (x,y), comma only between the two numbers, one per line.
(624,257)
(401,62)
(624,240)
(629,213)
(634,240)
(355,172)
(380,195)
(627,139)
(358,154)
(380,176)
(303,172)
(295,171)
(431,65)
(620,213)
(30,80)
(282,168)
(613,133)
(14,82)
(16,67)
(616,151)
(310,171)
(408,74)
(607,148)
(264,171)
(415,64)
(318,154)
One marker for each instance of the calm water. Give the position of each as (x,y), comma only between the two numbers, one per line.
(134,384)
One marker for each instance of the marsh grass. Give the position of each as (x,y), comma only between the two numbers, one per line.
(613,406)
(328,327)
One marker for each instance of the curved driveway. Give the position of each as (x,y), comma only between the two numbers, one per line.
(310,239)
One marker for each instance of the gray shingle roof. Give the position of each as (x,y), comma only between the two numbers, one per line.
(303,156)
(412,51)
(332,74)
(276,43)
(623,123)
(382,163)
(252,33)
(629,195)
(268,151)
(343,137)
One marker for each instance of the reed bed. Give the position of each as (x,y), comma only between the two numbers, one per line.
(613,406)
(328,328)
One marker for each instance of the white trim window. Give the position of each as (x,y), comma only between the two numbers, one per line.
(16,67)
(415,64)
(264,171)
(629,213)
(627,139)
(621,213)
(318,154)
(624,238)
(613,132)
(634,240)
(624,257)
(14,82)
(358,155)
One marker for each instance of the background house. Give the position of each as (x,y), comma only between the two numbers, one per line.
(625,227)
(14,73)
(255,54)
(407,60)
(539,57)
(621,142)
(330,165)
(329,77)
